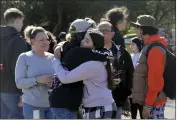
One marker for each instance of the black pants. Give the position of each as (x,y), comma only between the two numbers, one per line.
(134,109)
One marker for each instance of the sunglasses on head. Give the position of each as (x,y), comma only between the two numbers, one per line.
(106,30)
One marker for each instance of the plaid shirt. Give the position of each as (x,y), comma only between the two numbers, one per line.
(56,82)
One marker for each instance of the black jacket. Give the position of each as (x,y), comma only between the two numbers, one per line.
(125,65)
(118,37)
(12,45)
(70,95)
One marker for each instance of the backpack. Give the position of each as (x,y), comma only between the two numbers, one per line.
(169,71)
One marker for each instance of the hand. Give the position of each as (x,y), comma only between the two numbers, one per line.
(57,52)
(50,84)
(45,79)
(20,104)
(146,112)
(116,81)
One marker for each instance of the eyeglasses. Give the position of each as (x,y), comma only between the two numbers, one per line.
(44,40)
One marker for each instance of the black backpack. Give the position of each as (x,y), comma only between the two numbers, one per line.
(169,72)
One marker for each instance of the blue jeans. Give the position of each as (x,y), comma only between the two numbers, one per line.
(44,113)
(9,106)
(63,113)
(119,112)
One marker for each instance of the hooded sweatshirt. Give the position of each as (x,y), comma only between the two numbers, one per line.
(12,45)
(156,65)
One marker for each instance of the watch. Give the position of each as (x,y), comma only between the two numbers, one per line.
(36,80)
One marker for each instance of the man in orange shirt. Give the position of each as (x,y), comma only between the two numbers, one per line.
(148,81)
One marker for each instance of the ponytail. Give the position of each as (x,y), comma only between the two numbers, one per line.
(27,32)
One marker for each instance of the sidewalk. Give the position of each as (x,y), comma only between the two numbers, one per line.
(170,110)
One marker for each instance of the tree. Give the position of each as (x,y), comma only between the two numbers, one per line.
(56,15)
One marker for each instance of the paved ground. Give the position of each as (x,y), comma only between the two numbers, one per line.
(170,110)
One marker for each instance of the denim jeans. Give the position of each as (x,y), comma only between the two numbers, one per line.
(63,113)
(119,112)
(9,106)
(44,113)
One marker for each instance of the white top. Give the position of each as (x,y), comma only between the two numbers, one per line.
(135,58)
(94,76)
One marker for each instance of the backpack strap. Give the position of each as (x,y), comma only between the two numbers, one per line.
(147,49)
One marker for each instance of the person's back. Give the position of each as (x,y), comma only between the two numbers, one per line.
(12,45)
(95,75)
(96,92)
(10,39)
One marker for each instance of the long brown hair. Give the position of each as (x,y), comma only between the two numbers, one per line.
(98,42)
(53,42)
(111,85)
(115,15)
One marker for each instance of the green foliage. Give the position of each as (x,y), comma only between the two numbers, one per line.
(56,15)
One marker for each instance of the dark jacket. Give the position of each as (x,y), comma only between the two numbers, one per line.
(28,46)
(118,37)
(124,65)
(12,45)
(70,95)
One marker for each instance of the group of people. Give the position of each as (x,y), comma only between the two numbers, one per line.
(88,69)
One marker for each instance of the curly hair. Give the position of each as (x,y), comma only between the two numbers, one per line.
(115,15)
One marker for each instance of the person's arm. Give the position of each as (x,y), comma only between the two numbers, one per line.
(156,65)
(19,46)
(85,71)
(130,70)
(21,79)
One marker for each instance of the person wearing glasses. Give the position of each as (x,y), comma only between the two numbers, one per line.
(122,67)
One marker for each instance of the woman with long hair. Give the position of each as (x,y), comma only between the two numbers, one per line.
(97,79)
(117,17)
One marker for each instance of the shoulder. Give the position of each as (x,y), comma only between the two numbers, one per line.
(18,37)
(157,51)
(49,55)
(24,55)
(62,43)
(79,51)
(93,64)
(19,41)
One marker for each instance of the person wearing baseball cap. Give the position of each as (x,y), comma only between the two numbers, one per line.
(66,99)
(61,37)
(122,67)
(79,25)
(151,96)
